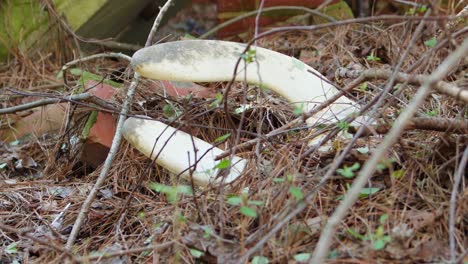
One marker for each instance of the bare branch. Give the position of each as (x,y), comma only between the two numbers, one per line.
(72,98)
(441,86)
(322,248)
(453,204)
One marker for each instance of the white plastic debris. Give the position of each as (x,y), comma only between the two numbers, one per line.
(178,151)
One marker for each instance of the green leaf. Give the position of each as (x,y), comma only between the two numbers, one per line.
(368,191)
(249,56)
(170,111)
(398,174)
(171,192)
(379,244)
(247,211)
(223,164)
(371,57)
(207,232)
(432,113)
(181,218)
(383,218)
(188,36)
(217,101)
(356,234)
(234,200)
(363,150)
(363,86)
(333,254)
(431,43)
(422,9)
(76,71)
(3,165)
(348,172)
(89,124)
(298,109)
(343,125)
(141,215)
(12,248)
(296,192)
(257,203)
(278,180)
(302,256)
(260,260)
(196,253)
(381,166)
(185,189)
(222,138)
(14,143)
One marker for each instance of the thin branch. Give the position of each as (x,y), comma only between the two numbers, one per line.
(264,10)
(157,22)
(115,142)
(119,45)
(441,86)
(453,204)
(96,56)
(76,97)
(450,125)
(322,248)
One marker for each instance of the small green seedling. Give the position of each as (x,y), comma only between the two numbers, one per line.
(398,174)
(364,193)
(301,257)
(417,10)
(364,86)
(12,248)
(222,138)
(223,164)
(217,101)
(249,56)
(196,253)
(372,57)
(348,172)
(378,239)
(171,111)
(343,125)
(172,192)
(432,113)
(246,205)
(298,109)
(296,192)
(260,260)
(431,43)
(385,164)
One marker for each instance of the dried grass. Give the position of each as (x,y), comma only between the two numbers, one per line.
(128,214)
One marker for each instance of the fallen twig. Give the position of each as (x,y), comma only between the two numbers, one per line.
(441,86)
(322,248)
(453,204)
(451,125)
(72,98)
